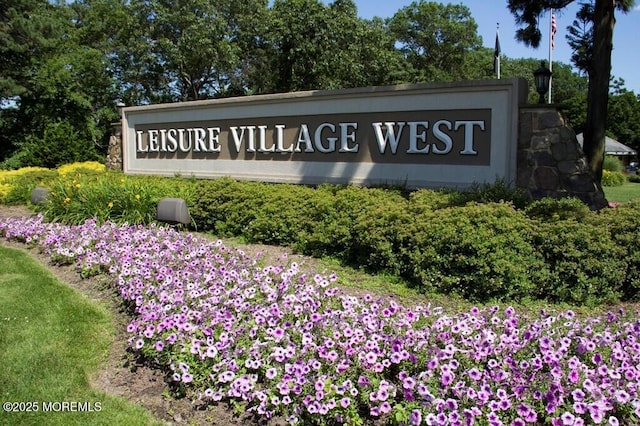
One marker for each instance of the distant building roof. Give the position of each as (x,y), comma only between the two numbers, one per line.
(612,146)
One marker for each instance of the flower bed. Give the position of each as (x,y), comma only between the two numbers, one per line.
(277,341)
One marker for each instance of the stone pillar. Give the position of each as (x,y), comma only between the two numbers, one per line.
(114,152)
(550,161)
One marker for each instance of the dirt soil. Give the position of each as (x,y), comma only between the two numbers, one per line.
(124,375)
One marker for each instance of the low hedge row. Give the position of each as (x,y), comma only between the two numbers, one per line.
(554,250)
(471,244)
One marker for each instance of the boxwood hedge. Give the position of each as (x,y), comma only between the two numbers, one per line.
(480,245)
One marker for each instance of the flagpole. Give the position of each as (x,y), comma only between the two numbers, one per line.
(496,53)
(552,27)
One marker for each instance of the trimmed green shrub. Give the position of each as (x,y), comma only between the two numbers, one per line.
(613,178)
(381,230)
(612,164)
(584,265)
(550,209)
(226,207)
(338,209)
(480,252)
(556,250)
(426,200)
(622,225)
(551,249)
(288,214)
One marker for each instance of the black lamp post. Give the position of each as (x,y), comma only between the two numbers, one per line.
(542,77)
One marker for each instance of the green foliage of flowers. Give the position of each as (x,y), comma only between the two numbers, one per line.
(109,196)
(16,185)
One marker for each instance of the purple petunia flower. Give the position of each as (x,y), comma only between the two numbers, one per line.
(345,402)
(415,418)
(271,373)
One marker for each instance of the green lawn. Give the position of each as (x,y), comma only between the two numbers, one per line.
(51,340)
(621,194)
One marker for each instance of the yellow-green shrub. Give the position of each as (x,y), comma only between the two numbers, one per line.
(4,190)
(85,168)
(612,164)
(610,178)
(16,185)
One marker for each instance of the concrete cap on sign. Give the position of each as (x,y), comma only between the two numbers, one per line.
(173,211)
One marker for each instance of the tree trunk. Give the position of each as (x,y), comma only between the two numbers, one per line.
(598,97)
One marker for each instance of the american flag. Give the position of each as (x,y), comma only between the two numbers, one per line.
(553,30)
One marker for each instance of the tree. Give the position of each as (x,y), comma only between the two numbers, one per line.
(317,46)
(623,121)
(435,39)
(363,53)
(62,103)
(527,14)
(118,29)
(580,38)
(567,84)
(197,42)
(29,29)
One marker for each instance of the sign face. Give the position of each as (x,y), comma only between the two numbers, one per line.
(417,136)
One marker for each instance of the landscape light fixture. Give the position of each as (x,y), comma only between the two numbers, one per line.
(173,211)
(39,195)
(542,77)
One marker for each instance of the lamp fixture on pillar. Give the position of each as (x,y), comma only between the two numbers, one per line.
(542,77)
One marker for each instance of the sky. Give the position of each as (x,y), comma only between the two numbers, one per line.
(489,13)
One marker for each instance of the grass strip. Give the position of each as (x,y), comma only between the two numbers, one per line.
(51,340)
(621,194)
